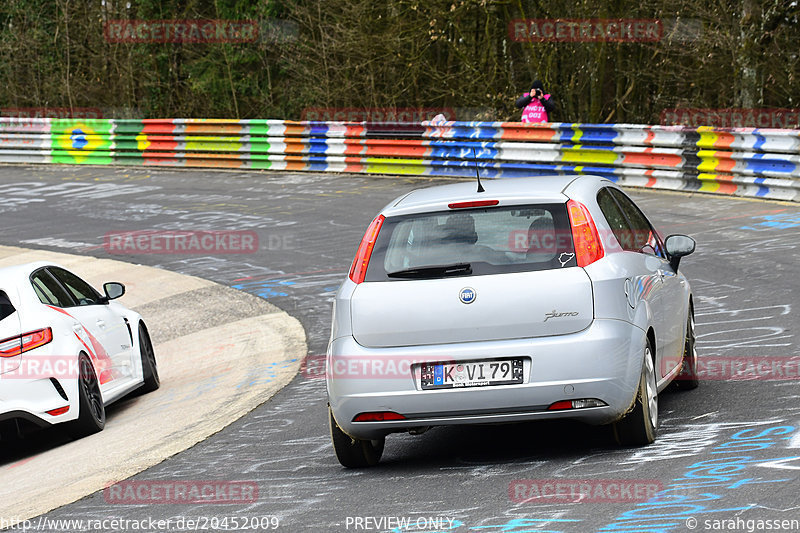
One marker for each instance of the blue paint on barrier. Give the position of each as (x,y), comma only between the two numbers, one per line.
(319,129)
(760,140)
(760,163)
(78,139)
(595,135)
(318,146)
(762,190)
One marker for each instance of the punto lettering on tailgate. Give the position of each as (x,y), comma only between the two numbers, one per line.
(556,314)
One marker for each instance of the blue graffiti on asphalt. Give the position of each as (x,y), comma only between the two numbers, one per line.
(264,374)
(415,526)
(266,289)
(514,525)
(672,507)
(780,221)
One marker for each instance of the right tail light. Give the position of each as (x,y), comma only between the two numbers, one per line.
(588,247)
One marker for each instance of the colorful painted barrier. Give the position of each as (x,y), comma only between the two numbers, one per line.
(743,161)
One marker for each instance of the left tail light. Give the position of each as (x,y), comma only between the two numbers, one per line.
(359,269)
(27,341)
(588,247)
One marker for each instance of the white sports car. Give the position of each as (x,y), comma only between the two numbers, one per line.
(66,351)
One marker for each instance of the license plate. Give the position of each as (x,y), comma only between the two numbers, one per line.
(471,374)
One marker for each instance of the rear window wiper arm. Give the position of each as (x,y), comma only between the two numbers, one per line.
(433,271)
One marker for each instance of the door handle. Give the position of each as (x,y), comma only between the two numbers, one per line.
(101,324)
(660,274)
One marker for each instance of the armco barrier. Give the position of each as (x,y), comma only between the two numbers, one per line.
(741,161)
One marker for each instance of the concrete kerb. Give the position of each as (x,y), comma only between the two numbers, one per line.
(217,362)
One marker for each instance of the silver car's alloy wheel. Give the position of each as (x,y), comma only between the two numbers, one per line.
(638,426)
(650,384)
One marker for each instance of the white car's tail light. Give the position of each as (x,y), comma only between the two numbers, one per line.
(588,247)
(27,341)
(359,269)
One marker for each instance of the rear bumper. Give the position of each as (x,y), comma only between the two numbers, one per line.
(601,362)
(30,398)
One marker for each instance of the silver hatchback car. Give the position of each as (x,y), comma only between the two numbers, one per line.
(537,298)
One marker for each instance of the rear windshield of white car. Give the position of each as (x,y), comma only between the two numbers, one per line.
(470,242)
(6,309)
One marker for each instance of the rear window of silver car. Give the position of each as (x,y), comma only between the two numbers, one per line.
(473,242)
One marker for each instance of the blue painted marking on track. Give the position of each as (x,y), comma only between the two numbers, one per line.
(700,493)
(265,288)
(771,222)
(524,525)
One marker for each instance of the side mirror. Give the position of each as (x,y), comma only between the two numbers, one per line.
(678,246)
(113,290)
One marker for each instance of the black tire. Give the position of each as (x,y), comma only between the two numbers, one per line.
(687,378)
(354,453)
(91,410)
(639,425)
(149,366)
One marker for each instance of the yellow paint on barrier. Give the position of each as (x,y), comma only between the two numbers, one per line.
(142,143)
(708,137)
(579,154)
(576,137)
(381,165)
(708,183)
(223,144)
(708,164)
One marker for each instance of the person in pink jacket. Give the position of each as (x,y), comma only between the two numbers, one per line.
(536,106)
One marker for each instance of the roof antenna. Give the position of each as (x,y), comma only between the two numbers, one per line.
(477,170)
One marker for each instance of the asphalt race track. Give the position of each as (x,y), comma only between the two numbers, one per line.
(728,451)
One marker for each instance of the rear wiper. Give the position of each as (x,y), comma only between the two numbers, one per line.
(433,271)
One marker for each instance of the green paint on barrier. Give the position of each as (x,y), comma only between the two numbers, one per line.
(75,140)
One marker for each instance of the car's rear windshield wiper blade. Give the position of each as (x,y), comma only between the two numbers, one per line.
(433,271)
